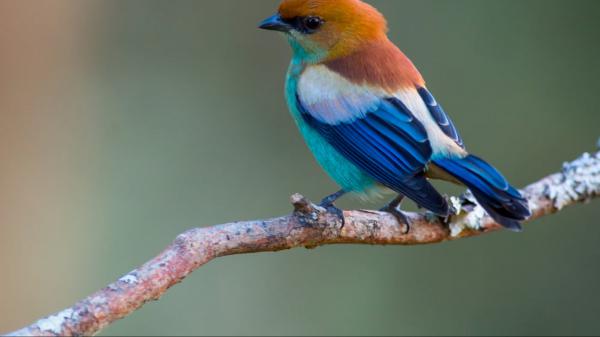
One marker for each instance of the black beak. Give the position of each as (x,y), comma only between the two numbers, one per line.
(276,23)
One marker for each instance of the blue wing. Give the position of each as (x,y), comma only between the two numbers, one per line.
(389,144)
(440,116)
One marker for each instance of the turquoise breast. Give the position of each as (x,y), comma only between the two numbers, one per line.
(342,171)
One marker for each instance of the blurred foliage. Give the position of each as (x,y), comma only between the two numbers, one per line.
(158,116)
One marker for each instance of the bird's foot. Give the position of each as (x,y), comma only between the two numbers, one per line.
(399,215)
(328,204)
(444,220)
(332,209)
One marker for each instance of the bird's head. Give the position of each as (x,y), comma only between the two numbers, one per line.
(320,30)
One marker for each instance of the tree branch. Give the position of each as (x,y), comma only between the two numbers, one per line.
(308,226)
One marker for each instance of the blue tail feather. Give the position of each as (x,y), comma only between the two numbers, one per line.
(504,203)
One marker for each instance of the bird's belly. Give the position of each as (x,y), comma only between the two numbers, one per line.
(341,170)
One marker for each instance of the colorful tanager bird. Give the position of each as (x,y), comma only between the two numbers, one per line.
(366,114)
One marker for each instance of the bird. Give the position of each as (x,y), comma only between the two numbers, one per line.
(368,117)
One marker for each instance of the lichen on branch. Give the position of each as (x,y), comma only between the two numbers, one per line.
(307,226)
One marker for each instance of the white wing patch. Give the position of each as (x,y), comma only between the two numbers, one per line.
(332,99)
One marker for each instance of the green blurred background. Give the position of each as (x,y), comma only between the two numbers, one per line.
(124,123)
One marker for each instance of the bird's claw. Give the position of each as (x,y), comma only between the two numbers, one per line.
(332,209)
(445,220)
(400,217)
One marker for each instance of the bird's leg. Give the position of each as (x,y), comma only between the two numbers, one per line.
(328,204)
(329,200)
(393,209)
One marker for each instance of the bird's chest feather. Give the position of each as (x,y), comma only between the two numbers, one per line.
(340,169)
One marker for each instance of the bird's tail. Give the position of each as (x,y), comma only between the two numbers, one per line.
(503,202)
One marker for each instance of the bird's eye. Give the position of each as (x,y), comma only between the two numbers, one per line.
(312,23)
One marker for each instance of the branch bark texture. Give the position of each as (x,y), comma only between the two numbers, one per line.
(308,226)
